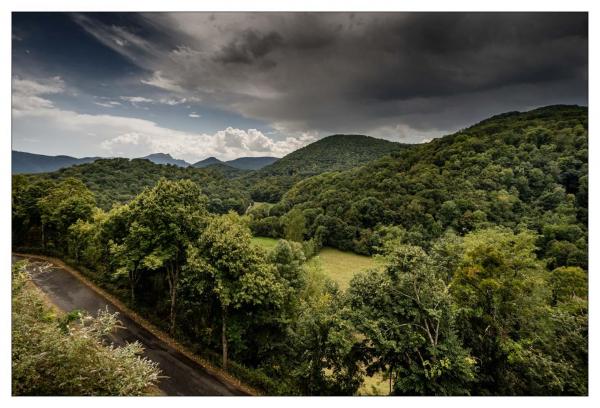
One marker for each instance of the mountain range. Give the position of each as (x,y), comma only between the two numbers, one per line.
(25,163)
(242,163)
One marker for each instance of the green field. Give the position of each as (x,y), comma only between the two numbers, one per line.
(266,243)
(341,266)
(338,265)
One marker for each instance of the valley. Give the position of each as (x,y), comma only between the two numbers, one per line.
(339,265)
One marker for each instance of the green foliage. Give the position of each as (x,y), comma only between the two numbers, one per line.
(407,318)
(482,237)
(117,181)
(333,153)
(68,355)
(162,223)
(523,170)
(568,282)
(26,216)
(327,356)
(294,225)
(66,203)
(235,272)
(505,316)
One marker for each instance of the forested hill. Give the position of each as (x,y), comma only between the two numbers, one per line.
(519,170)
(251,163)
(116,181)
(332,153)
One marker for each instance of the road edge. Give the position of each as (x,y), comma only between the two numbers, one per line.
(121,307)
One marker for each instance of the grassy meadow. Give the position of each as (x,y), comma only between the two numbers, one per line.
(338,265)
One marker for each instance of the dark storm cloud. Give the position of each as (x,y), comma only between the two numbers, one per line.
(446,54)
(248,47)
(368,72)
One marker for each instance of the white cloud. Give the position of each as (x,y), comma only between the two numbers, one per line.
(194,115)
(136,99)
(29,95)
(133,137)
(172,101)
(159,81)
(406,134)
(108,104)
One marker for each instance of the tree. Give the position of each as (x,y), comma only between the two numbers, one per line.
(131,254)
(240,276)
(327,356)
(62,206)
(407,318)
(26,217)
(163,222)
(501,295)
(567,282)
(288,258)
(294,225)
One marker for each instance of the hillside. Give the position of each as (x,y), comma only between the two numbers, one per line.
(119,180)
(226,170)
(251,163)
(514,170)
(332,153)
(23,163)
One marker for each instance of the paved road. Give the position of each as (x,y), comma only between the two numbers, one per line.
(184,376)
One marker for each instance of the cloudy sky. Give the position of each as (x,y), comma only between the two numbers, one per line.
(264,84)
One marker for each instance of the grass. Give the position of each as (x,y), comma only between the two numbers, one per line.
(341,266)
(264,242)
(338,265)
(375,385)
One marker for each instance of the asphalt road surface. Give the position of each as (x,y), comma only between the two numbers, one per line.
(182,375)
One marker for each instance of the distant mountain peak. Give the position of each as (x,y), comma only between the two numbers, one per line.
(157,155)
(165,158)
(206,162)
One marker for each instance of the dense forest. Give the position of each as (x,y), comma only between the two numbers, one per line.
(482,236)
(117,181)
(332,153)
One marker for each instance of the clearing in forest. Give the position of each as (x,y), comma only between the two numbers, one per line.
(338,265)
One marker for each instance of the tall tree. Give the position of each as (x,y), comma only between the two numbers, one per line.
(63,205)
(241,277)
(502,298)
(164,221)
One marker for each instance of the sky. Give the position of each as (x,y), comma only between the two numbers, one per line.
(196,85)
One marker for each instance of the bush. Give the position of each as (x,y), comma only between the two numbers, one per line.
(68,356)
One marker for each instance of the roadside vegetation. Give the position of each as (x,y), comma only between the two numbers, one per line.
(479,288)
(67,354)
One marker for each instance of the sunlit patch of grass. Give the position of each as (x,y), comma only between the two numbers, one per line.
(374,385)
(265,242)
(338,265)
(341,266)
